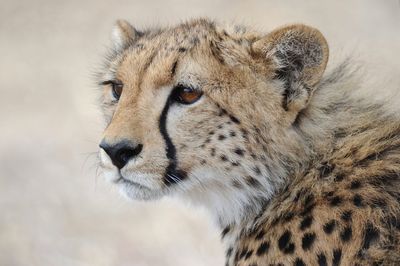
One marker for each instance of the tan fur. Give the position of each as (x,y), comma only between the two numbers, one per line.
(273,148)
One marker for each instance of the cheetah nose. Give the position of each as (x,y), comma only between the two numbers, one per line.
(121,152)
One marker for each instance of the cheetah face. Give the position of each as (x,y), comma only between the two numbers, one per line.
(200,112)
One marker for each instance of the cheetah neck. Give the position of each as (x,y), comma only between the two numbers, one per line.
(336,122)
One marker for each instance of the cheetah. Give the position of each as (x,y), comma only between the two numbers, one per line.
(295,167)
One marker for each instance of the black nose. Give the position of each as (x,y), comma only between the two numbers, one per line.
(121,152)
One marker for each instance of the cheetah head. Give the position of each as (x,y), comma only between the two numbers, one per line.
(207,112)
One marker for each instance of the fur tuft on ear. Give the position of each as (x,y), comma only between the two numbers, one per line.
(123,35)
(297,55)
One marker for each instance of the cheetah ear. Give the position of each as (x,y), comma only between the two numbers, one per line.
(296,55)
(123,35)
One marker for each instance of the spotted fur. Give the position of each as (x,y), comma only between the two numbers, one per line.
(296,167)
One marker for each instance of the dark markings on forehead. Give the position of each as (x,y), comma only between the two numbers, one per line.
(216,52)
(173,68)
(179,41)
(190,34)
(146,65)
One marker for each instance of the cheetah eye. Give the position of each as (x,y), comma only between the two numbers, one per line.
(185,95)
(116,87)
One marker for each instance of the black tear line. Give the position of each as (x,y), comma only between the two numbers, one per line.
(172,174)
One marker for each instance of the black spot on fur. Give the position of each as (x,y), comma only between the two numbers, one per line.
(309,205)
(260,235)
(223,158)
(262,249)
(289,249)
(308,200)
(306,223)
(211,133)
(182,49)
(287,217)
(339,178)
(335,201)
(322,260)
(284,243)
(299,262)
(251,181)
(257,170)
(221,137)
(346,216)
(248,254)
(229,252)
(234,119)
(235,163)
(346,234)
(212,152)
(243,253)
(358,201)
(225,231)
(299,194)
(355,184)
(275,221)
(307,210)
(222,112)
(173,69)
(284,240)
(239,151)
(337,256)
(232,134)
(371,234)
(329,226)
(308,240)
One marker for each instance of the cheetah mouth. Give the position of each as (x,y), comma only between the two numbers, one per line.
(124,181)
(139,186)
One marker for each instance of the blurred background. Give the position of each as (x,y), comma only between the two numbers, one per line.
(54,208)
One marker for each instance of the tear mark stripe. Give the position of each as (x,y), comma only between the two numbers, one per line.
(172,174)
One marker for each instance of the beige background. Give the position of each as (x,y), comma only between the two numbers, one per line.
(54,210)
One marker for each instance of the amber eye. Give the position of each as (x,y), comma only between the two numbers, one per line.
(116,87)
(186,95)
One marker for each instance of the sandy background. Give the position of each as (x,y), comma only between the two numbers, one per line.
(53,209)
